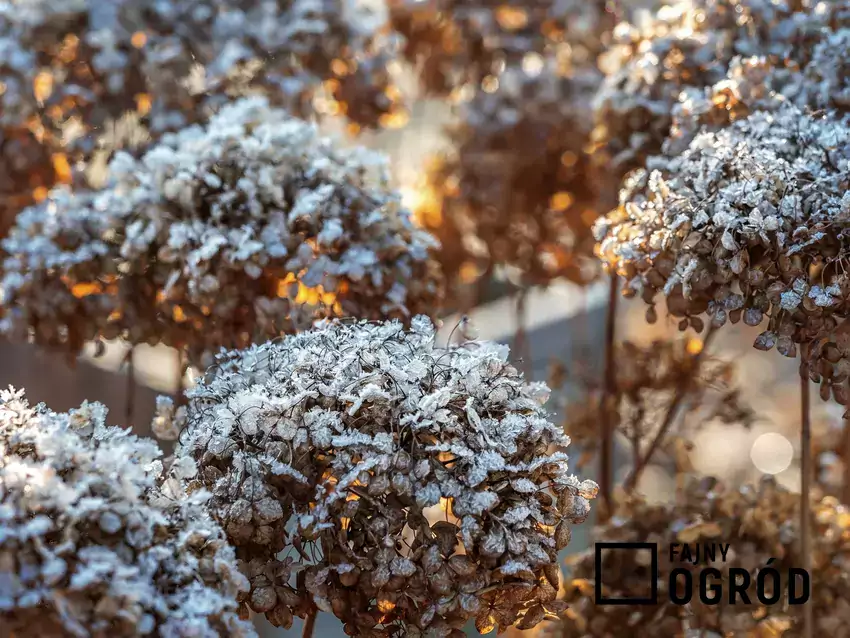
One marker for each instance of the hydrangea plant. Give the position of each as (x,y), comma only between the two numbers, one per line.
(69,68)
(218,237)
(413,486)
(688,46)
(747,223)
(758,522)
(93,544)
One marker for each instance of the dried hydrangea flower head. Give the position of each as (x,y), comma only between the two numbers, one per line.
(455,43)
(343,441)
(70,67)
(688,45)
(758,522)
(218,237)
(90,546)
(518,189)
(748,223)
(647,383)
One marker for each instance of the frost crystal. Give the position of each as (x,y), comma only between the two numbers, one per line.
(90,546)
(218,236)
(335,444)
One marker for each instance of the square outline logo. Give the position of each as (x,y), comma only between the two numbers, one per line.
(600,599)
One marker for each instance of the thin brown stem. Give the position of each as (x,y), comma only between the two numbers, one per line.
(521,345)
(179,394)
(130,396)
(805,481)
(606,415)
(309,625)
(845,457)
(672,410)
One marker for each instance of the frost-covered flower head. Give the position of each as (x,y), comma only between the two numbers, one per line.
(90,546)
(70,67)
(688,45)
(341,444)
(217,237)
(758,522)
(172,61)
(519,189)
(749,222)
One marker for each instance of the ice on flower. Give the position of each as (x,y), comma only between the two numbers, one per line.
(90,544)
(377,451)
(235,263)
(772,187)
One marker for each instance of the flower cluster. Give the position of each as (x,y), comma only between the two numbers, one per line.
(518,188)
(70,67)
(457,43)
(757,522)
(414,486)
(91,546)
(218,237)
(688,47)
(749,222)
(647,384)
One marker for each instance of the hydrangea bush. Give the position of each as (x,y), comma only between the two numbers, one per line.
(218,237)
(93,545)
(651,381)
(340,445)
(518,188)
(460,43)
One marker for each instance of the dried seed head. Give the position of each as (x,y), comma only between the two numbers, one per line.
(757,522)
(647,381)
(683,54)
(74,70)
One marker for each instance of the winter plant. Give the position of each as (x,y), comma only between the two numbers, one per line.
(363,470)
(94,544)
(218,236)
(71,69)
(688,46)
(758,522)
(663,392)
(517,191)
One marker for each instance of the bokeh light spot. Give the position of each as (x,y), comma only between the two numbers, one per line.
(772,453)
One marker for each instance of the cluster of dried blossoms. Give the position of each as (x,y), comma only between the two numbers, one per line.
(747,223)
(91,544)
(685,52)
(518,188)
(69,68)
(758,523)
(218,237)
(458,43)
(339,445)
(650,385)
